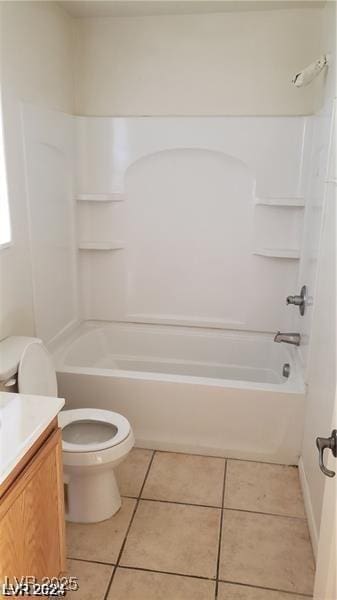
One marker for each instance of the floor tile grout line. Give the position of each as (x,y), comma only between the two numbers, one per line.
(180,503)
(269,589)
(120,553)
(146,474)
(220,531)
(203,578)
(266,514)
(256,512)
(222,457)
(128,529)
(106,564)
(87,560)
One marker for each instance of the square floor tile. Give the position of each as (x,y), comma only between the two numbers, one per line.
(263,487)
(267,551)
(228,591)
(93,579)
(131,472)
(129,584)
(100,541)
(185,478)
(174,538)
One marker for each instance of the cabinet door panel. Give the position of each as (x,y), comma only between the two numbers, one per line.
(32,518)
(11,549)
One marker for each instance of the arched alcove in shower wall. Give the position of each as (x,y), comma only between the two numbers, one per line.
(189,220)
(188,237)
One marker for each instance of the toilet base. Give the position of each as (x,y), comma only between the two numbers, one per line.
(91,497)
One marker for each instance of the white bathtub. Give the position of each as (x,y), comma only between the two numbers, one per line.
(187,389)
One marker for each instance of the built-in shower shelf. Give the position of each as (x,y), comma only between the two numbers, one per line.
(111,197)
(102,246)
(282,202)
(278,253)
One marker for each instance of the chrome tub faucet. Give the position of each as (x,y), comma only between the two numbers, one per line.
(288,338)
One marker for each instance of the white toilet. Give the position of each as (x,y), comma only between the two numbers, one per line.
(94,441)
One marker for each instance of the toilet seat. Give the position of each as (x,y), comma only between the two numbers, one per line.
(95,416)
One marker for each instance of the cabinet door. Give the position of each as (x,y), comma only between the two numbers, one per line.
(32,538)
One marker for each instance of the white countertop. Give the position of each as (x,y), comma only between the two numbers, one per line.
(22,420)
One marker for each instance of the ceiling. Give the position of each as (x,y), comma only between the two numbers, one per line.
(132,8)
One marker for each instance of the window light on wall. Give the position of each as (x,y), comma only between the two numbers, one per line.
(5,225)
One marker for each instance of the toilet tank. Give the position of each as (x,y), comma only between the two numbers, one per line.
(11,350)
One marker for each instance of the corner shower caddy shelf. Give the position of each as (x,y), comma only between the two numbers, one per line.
(102,246)
(280,202)
(293,254)
(111,197)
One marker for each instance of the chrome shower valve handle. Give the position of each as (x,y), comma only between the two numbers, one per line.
(299,300)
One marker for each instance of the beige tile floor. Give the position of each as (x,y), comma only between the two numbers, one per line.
(196,528)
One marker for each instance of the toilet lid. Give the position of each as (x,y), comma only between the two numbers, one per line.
(92,430)
(36,373)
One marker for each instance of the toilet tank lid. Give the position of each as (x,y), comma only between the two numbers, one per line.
(11,350)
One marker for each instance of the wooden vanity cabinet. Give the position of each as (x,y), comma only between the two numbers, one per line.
(32,528)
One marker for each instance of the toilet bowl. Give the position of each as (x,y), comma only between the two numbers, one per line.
(94,441)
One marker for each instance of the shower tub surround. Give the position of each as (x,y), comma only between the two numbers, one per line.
(188,389)
(175,240)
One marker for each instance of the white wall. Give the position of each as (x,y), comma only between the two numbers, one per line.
(36,67)
(318,270)
(237,63)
